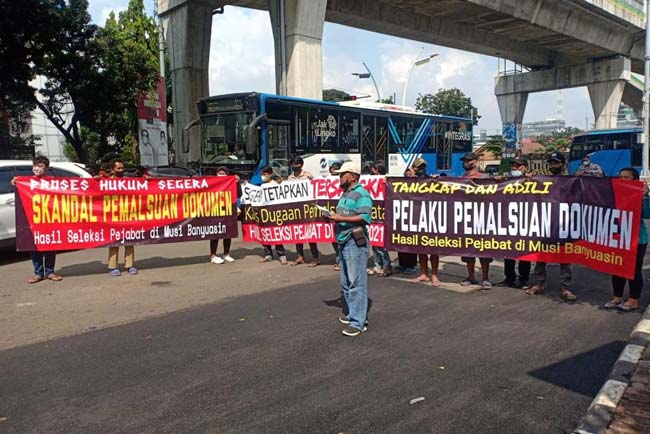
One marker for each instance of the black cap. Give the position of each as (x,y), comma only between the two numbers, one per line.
(469,156)
(519,161)
(556,156)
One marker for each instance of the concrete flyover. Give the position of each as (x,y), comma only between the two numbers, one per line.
(538,34)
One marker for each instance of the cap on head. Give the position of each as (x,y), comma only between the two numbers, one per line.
(556,156)
(419,163)
(469,156)
(519,161)
(349,167)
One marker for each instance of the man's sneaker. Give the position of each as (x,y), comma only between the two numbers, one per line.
(353,331)
(506,282)
(345,320)
(217,260)
(115,272)
(228,258)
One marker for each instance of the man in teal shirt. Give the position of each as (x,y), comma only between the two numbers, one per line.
(351,217)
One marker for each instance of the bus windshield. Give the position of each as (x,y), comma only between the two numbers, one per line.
(224,139)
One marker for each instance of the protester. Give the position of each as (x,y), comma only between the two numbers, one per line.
(470,164)
(556,165)
(268,177)
(518,168)
(43,262)
(299,173)
(588,168)
(420,171)
(382,263)
(227,242)
(332,170)
(351,217)
(117,171)
(406,262)
(635,285)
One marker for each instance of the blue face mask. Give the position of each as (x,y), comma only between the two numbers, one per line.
(516,173)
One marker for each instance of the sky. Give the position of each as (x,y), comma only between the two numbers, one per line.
(242,59)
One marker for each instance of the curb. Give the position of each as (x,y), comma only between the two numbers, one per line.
(602,408)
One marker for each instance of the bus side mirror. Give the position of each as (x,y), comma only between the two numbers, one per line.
(251,134)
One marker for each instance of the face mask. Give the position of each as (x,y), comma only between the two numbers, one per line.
(586,163)
(420,173)
(516,172)
(265,178)
(345,185)
(38,171)
(555,170)
(468,166)
(119,174)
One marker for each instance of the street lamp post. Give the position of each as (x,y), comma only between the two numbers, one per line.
(368,75)
(415,63)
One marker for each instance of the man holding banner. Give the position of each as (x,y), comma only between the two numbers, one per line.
(353,213)
(556,163)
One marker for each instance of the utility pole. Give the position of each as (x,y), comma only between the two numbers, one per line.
(161,39)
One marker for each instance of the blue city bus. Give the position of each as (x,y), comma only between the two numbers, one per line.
(247,131)
(611,149)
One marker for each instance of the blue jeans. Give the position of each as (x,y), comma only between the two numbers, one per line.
(354,281)
(38,258)
(382,259)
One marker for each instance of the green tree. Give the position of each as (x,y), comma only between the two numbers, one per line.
(494,144)
(388,100)
(451,102)
(335,95)
(130,58)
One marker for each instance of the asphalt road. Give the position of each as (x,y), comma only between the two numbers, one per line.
(275,362)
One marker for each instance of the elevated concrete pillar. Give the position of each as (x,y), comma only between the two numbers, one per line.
(512,107)
(188,26)
(606,100)
(301,28)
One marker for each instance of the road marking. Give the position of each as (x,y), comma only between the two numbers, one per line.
(25,304)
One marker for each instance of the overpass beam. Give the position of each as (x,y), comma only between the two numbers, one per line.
(512,107)
(605,101)
(188,26)
(298,33)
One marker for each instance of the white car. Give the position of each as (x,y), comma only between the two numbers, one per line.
(11,168)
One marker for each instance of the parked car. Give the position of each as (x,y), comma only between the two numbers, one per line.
(11,168)
(159,172)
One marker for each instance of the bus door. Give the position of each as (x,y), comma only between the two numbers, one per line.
(443,141)
(277,140)
(374,139)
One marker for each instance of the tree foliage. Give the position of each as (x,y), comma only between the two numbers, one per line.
(335,95)
(91,76)
(450,102)
(559,140)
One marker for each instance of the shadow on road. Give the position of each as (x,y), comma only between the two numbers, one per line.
(573,374)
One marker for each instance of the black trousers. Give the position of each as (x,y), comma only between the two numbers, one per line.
(313,247)
(511,275)
(407,260)
(279,250)
(636,284)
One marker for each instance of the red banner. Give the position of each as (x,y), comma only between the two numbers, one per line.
(288,213)
(82,213)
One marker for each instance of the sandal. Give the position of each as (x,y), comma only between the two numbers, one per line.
(568,295)
(35,279)
(337,268)
(54,277)
(371,271)
(535,290)
(626,307)
(468,282)
(611,304)
(298,261)
(386,273)
(420,278)
(486,284)
(314,263)
(283,260)
(435,282)
(266,259)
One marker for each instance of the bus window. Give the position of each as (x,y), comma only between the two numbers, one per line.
(349,141)
(324,130)
(406,129)
(577,148)
(224,138)
(637,149)
(300,139)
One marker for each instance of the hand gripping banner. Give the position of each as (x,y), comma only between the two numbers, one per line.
(82,213)
(590,221)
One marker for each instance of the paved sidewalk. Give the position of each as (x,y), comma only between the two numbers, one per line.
(632,415)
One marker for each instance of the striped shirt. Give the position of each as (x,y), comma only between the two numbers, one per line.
(355,201)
